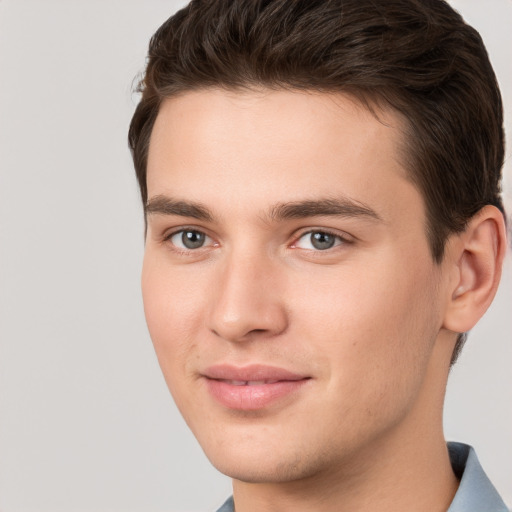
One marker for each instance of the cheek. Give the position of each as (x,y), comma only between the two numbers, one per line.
(173,315)
(376,323)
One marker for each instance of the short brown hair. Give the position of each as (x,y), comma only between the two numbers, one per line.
(417,57)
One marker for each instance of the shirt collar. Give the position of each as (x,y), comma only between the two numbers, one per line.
(475,493)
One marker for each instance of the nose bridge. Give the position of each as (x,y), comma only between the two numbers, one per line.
(247,301)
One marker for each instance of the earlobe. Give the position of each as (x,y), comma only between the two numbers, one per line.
(478,258)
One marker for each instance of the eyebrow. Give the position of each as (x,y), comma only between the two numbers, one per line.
(164,205)
(341,207)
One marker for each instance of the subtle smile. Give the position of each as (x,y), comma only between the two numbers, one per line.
(252,387)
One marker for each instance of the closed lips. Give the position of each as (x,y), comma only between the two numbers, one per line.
(254,374)
(248,382)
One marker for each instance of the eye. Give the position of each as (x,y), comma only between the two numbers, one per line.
(189,239)
(319,241)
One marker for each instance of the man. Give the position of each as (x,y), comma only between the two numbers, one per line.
(321,184)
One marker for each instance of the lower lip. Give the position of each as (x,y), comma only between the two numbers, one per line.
(251,398)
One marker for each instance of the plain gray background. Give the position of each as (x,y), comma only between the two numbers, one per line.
(86,422)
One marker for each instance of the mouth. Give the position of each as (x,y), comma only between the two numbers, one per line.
(248,382)
(252,387)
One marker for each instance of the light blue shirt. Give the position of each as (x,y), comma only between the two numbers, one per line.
(475,493)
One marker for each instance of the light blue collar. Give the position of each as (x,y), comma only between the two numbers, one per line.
(476,492)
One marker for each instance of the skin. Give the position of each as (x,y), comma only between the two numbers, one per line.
(371,321)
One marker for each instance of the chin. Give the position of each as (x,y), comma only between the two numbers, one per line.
(270,464)
(258,471)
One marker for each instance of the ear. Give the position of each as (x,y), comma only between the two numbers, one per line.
(476,259)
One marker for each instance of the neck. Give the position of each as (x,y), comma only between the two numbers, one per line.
(412,477)
(407,468)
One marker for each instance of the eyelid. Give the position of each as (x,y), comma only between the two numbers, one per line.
(169,232)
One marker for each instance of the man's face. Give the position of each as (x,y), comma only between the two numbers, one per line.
(288,284)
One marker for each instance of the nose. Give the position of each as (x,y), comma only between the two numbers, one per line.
(247,303)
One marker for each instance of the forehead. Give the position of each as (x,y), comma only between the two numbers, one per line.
(279,118)
(266,145)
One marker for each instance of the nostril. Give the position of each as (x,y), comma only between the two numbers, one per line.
(238,312)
